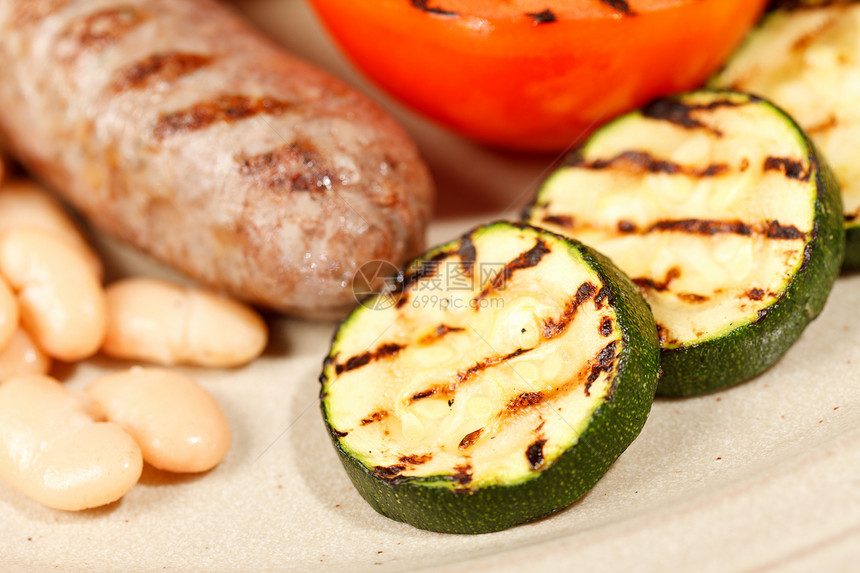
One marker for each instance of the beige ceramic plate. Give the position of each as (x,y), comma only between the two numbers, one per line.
(762,477)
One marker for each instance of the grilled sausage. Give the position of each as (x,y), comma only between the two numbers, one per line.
(173,125)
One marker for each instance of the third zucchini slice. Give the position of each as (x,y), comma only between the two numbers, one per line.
(806,59)
(717,206)
(512,370)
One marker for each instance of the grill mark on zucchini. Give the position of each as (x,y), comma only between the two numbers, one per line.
(462,376)
(523,401)
(791,168)
(585,291)
(626,227)
(156,68)
(467,254)
(586,376)
(534,454)
(102,28)
(472,371)
(439,332)
(359,360)
(564,221)
(783,232)
(580,380)
(424,394)
(771,229)
(605,361)
(702,227)
(469,439)
(544,17)
(754,294)
(553,327)
(524,260)
(677,112)
(606,357)
(692,297)
(425,270)
(605,328)
(603,295)
(424,6)
(619,6)
(226,109)
(663,335)
(416,459)
(637,162)
(377,416)
(390,473)
(807,250)
(645,283)
(462,474)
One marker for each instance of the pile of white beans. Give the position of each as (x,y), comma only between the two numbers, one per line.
(75,450)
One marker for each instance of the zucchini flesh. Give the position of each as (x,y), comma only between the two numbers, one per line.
(807,61)
(498,389)
(717,206)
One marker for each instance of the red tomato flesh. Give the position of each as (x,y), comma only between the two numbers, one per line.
(530,75)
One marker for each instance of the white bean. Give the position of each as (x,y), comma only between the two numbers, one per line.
(22,356)
(53,451)
(178,425)
(61,301)
(25,204)
(164,323)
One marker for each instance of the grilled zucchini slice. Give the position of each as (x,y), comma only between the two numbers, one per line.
(719,208)
(514,368)
(806,59)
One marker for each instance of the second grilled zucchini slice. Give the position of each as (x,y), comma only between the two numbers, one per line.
(514,367)
(719,208)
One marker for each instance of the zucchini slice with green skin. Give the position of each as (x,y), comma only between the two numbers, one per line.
(806,59)
(719,208)
(515,367)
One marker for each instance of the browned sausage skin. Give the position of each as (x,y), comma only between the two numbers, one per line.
(171,124)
